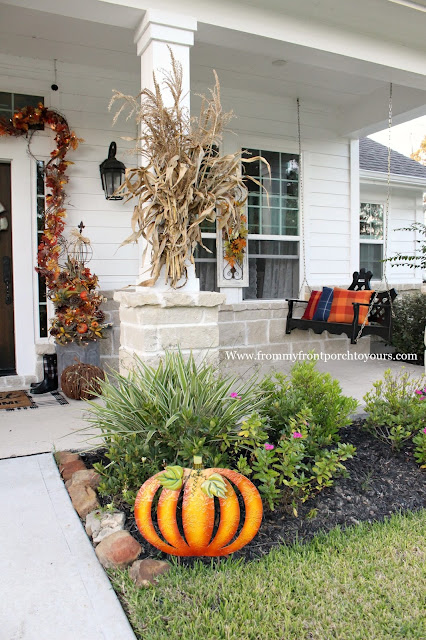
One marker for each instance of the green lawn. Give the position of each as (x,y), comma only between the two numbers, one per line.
(368,583)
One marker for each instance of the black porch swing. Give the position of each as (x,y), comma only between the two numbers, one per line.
(380,310)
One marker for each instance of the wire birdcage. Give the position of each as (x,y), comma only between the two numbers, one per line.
(79,248)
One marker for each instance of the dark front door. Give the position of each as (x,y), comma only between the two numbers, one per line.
(7,337)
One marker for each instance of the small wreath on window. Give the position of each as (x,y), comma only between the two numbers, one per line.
(235,242)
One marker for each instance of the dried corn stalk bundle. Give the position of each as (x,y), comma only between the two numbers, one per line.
(183,181)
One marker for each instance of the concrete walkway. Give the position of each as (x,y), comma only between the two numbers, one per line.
(52,585)
(356,377)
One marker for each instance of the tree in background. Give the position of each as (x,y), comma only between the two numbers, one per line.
(420,154)
(418,259)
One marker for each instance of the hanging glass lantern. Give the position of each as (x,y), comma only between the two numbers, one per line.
(112,172)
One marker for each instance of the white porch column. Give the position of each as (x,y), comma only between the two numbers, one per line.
(159,31)
(156,319)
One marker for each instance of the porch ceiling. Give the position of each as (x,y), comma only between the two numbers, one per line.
(355,89)
(48,36)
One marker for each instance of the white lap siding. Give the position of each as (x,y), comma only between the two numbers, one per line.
(406,207)
(83,97)
(263,121)
(270,123)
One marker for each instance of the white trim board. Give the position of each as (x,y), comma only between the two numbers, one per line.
(22,183)
(405,182)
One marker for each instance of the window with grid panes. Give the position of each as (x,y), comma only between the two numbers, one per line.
(371,238)
(205,261)
(41,206)
(10,103)
(272,225)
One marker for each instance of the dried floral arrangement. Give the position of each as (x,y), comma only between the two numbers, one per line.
(78,317)
(183,182)
(235,243)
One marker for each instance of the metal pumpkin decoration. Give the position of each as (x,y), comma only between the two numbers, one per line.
(200,487)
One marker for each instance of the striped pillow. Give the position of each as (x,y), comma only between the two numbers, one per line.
(312,305)
(324,305)
(342,309)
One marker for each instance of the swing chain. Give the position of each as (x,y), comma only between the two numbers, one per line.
(386,221)
(388,193)
(301,203)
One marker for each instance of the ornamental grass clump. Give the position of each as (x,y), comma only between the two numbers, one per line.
(396,409)
(158,417)
(182,181)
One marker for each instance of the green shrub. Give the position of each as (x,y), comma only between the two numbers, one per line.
(409,324)
(419,441)
(164,416)
(305,412)
(307,388)
(397,411)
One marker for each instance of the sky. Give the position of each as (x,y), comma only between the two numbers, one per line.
(406,137)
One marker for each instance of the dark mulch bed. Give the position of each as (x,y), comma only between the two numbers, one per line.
(380,483)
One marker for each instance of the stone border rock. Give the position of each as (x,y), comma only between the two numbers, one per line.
(114,546)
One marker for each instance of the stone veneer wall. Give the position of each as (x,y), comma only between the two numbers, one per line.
(153,321)
(251,327)
(111,344)
(254,334)
(247,327)
(256,327)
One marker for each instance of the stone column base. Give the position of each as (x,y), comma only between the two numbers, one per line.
(152,322)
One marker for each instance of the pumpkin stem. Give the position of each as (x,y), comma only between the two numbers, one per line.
(198,462)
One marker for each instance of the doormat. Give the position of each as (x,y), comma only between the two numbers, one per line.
(12,400)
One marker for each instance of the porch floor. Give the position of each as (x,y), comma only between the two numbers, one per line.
(52,428)
(31,431)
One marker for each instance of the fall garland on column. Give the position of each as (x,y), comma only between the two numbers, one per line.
(72,286)
(55,171)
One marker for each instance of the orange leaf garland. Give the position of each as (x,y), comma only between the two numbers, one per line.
(55,169)
(60,281)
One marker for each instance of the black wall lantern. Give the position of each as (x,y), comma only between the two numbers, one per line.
(112,172)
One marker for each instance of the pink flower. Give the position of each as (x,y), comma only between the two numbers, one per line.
(268,446)
(419,392)
(297,434)
(424,430)
(235,395)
